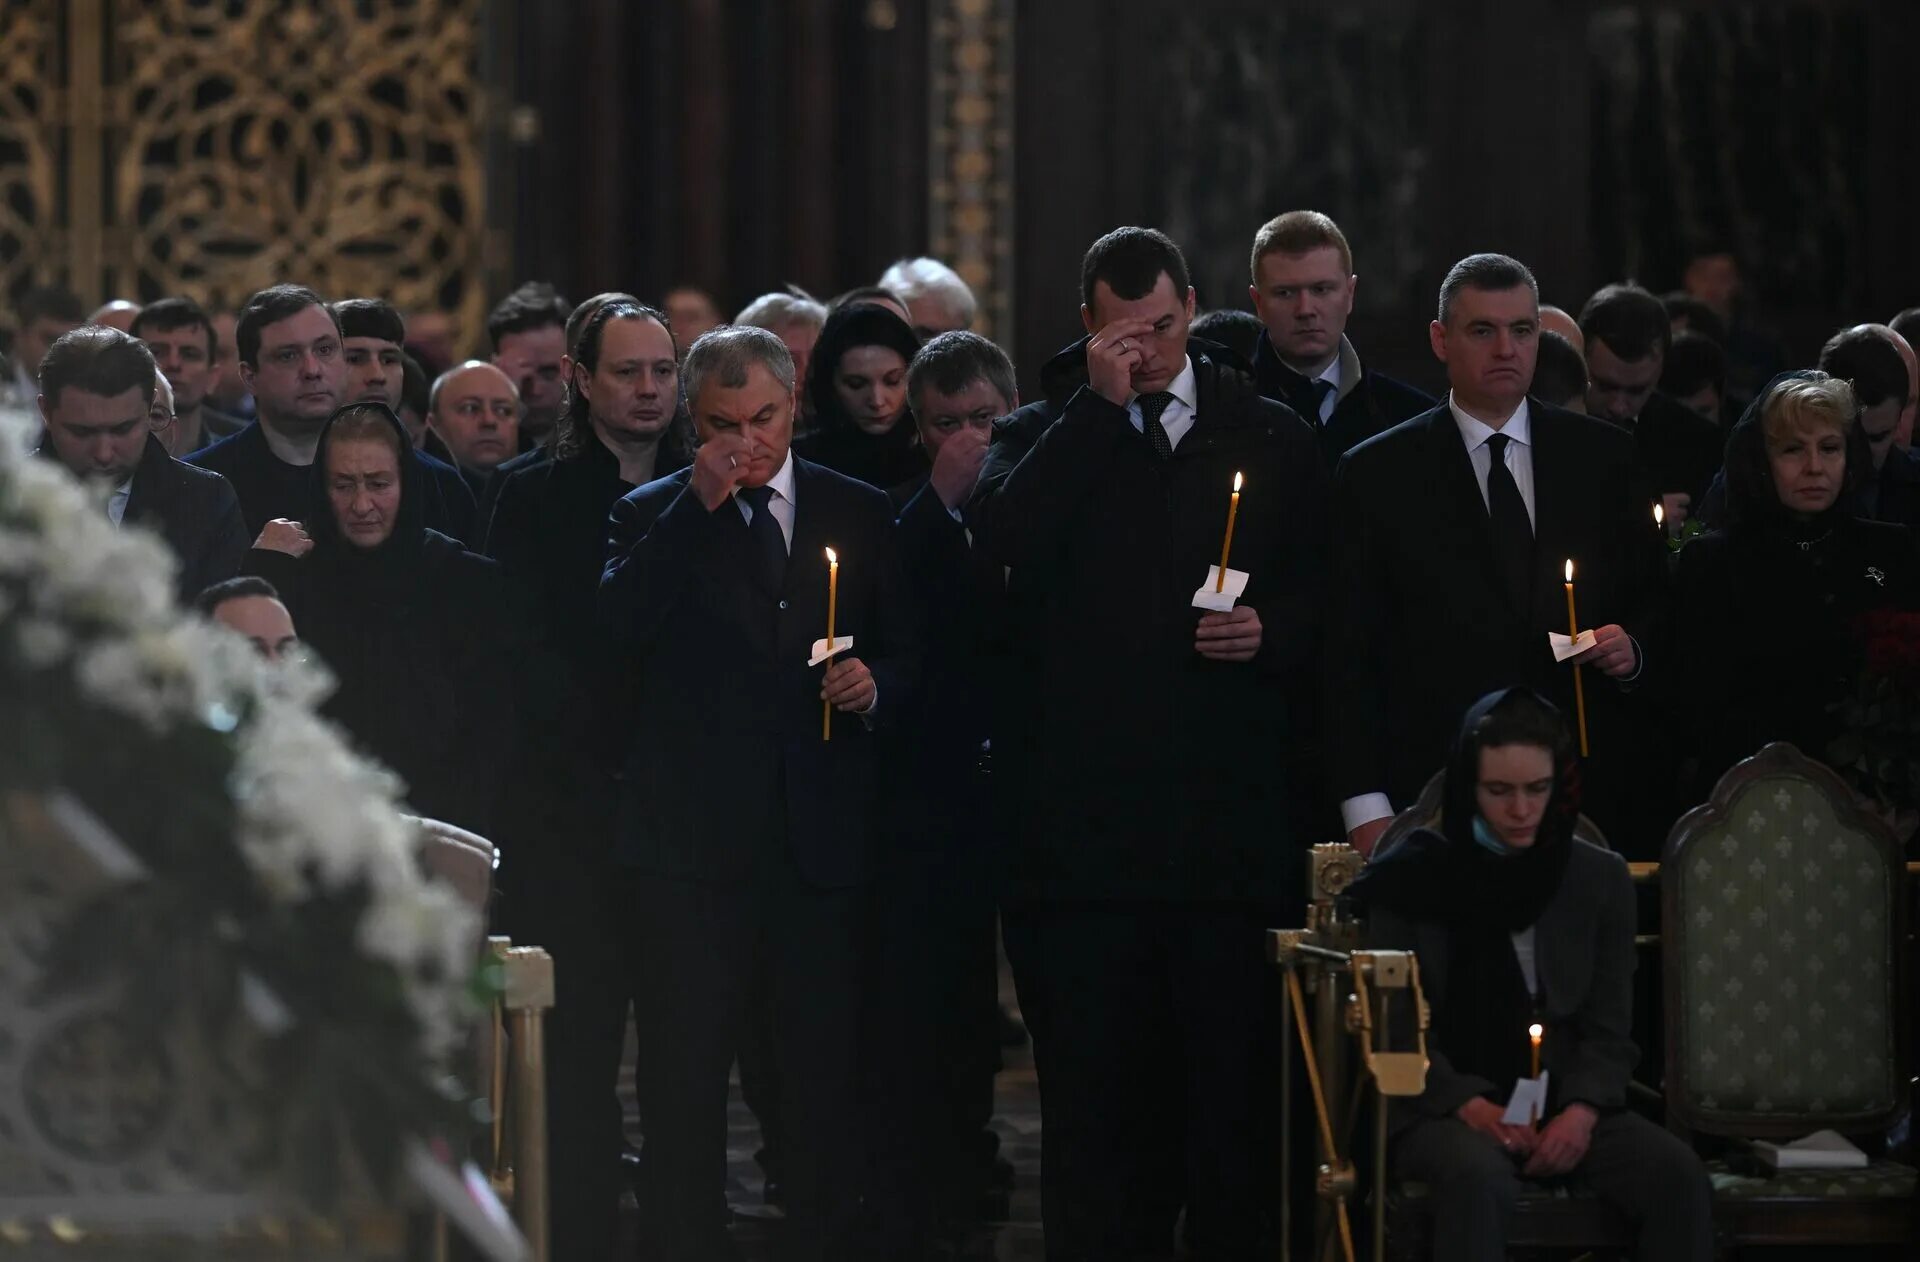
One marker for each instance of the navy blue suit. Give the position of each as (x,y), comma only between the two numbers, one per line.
(746,836)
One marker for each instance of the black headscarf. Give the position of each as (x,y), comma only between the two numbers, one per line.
(395,558)
(1482,898)
(1753,503)
(883,460)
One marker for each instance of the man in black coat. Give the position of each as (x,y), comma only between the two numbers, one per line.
(1303,287)
(1448,563)
(749,834)
(1676,450)
(1144,748)
(96,389)
(549,530)
(292,358)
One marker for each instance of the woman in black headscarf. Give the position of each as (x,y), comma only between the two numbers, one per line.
(1768,607)
(416,629)
(1515,922)
(857,388)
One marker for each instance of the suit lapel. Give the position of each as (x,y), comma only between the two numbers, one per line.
(1459,491)
(1553,529)
(147,477)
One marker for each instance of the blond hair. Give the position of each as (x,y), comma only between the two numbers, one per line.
(1297,232)
(1807,404)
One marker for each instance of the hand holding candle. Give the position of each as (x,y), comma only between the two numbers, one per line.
(1579,688)
(1226,545)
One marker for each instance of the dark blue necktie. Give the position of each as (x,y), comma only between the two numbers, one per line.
(767,538)
(1321,389)
(1152,406)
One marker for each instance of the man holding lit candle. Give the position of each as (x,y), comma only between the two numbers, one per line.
(1147,750)
(1454,529)
(749,839)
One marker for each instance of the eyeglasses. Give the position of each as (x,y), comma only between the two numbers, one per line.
(157,419)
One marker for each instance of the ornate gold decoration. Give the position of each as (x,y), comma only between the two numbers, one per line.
(970,208)
(211,147)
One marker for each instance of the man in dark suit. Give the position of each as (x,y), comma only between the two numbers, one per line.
(97,388)
(1144,748)
(292,358)
(748,834)
(549,530)
(1303,287)
(1447,566)
(1676,450)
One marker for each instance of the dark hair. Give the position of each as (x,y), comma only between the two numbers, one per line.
(1524,718)
(1683,307)
(99,360)
(1693,363)
(211,598)
(1867,359)
(1238,331)
(1130,261)
(1630,320)
(1491,273)
(370,317)
(270,306)
(584,312)
(867,294)
(574,430)
(534,305)
(167,314)
(1560,371)
(861,324)
(414,386)
(49,302)
(1907,325)
(953,361)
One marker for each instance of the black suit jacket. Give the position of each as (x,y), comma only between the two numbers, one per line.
(194,510)
(1675,448)
(1584,954)
(1420,625)
(726,775)
(1375,405)
(1135,768)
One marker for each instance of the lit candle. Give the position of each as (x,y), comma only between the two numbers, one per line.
(1660,518)
(833,604)
(1579,689)
(1226,545)
(1533,1034)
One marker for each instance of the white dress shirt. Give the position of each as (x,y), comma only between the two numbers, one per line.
(781,505)
(1334,377)
(1519,431)
(1366,807)
(117,502)
(1178,418)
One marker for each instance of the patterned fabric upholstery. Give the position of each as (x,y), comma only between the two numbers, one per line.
(1788,975)
(1888,1179)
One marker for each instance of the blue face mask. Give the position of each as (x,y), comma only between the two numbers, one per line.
(1487,839)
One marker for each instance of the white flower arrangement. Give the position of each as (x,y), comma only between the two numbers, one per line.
(79,594)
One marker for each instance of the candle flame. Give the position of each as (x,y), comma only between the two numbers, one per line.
(1569,571)
(831,558)
(1659,515)
(1236,484)
(1534,1031)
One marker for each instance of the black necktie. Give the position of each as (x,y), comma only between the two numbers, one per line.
(1321,389)
(1151,408)
(1512,528)
(767,537)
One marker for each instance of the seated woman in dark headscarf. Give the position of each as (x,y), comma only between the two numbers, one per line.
(1516,923)
(1767,608)
(857,389)
(417,630)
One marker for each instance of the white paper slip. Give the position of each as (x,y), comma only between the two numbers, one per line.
(1822,1150)
(1529,1103)
(1563,647)
(841,643)
(1220,602)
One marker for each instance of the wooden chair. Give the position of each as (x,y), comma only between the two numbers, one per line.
(1787,993)
(1545,1218)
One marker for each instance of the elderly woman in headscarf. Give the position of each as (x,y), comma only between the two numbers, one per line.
(1515,923)
(857,390)
(1768,607)
(418,631)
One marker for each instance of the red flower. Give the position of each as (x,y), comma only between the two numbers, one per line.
(1891,641)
